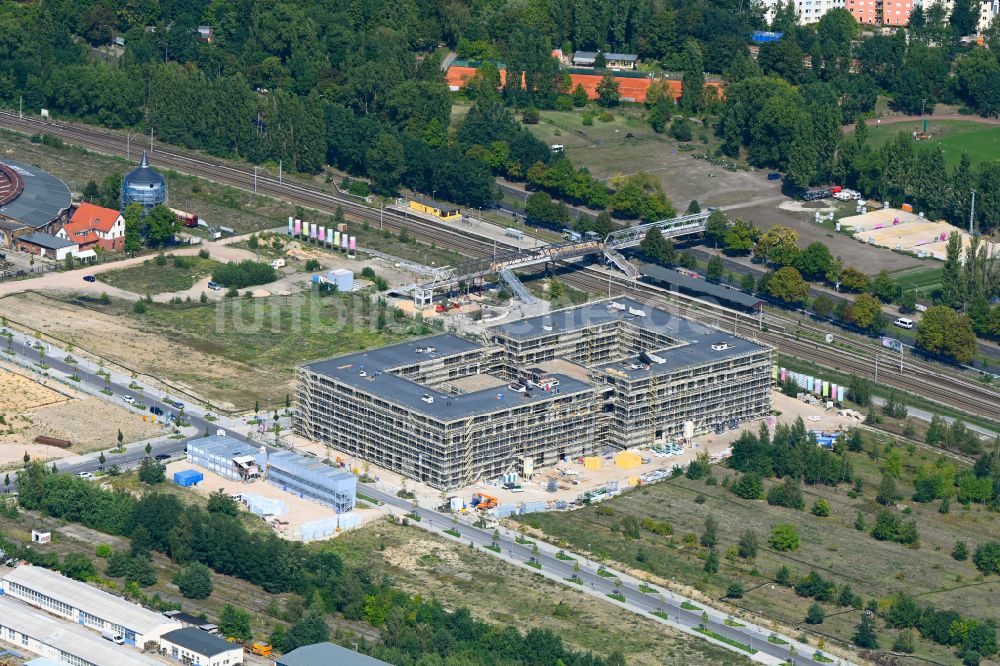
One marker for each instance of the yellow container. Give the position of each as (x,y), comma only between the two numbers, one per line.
(592,462)
(628,460)
(633,481)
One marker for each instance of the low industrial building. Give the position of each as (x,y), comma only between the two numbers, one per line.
(85,605)
(63,642)
(326,654)
(46,246)
(194,646)
(616,373)
(293,473)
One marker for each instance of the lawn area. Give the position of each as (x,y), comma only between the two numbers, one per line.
(276,333)
(980,140)
(926,280)
(832,546)
(149,277)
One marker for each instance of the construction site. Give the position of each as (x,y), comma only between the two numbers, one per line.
(602,377)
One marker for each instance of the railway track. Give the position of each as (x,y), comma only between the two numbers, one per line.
(931,382)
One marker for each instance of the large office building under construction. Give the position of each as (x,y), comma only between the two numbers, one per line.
(614,373)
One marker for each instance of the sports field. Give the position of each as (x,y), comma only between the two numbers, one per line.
(980,140)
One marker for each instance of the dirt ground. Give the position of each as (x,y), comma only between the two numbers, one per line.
(90,423)
(299,510)
(121,340)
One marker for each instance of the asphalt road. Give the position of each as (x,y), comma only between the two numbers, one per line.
(662,602)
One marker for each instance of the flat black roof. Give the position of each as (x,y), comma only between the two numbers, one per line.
(445,407)
(48,241)
(701,287)
(326,654)
(43,199)
(443,207)
(198,641)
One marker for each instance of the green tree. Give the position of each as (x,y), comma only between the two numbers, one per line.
(786,284)
(78,567)
(815,614)
(865,635)
(747,546)
(661,113)
(161,226)
(945,332)
(194,582)
(964,17)
(952,286)
(219,501)
(749,486)
(693,78)
(151,472)
(866,313)
(715,268)
(711,562)
(709,536)
(579,96)
(608,94)
(133,228)
(716,227)
(784,537)
(386,162)
(814,261)
(658,248)
(888,494)
(308,630)
(235,623)
(960,552)
(821,508)
(987,558)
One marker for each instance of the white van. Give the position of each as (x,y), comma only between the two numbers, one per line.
(903,322)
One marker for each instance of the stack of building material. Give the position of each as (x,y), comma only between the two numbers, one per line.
(592,462)
(628,460)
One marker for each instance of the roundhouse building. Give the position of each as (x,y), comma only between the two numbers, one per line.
(614,373)
(31,201)
(86,605)
(144,186)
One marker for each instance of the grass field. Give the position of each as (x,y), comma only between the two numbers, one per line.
(177,274)
(831,546)
(925,280)
(980,140)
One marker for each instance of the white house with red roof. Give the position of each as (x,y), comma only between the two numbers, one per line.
(93,225)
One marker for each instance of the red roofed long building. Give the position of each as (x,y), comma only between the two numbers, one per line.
(94,225)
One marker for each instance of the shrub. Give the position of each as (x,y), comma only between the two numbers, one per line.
(821,508)
(784,537)
(960,552)
(815,614)
(747,546)
(203,253)
(735,591)
(102,550)
(987,558)
(246,273)
(313,265)
(749,486)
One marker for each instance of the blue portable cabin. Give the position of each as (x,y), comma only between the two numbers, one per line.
(765,36)
(188,478)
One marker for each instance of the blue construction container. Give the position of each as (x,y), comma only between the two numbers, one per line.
(188,477)
(765,36)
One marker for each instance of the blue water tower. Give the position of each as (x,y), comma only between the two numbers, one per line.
(144,186)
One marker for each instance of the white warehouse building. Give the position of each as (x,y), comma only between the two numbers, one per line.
(64,643)
(86,605)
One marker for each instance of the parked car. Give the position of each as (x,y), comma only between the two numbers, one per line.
(904,322)
(89,278)
(212,284)
(162,456)
(85,475)
(774,176)
(129,400)
(156,410)
(177,404)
